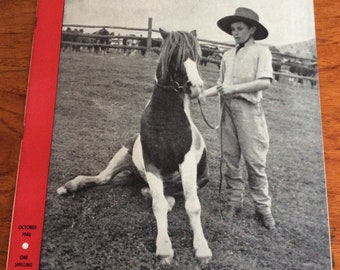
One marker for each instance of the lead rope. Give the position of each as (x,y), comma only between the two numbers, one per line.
(221,173)
(205,119)
(219,121)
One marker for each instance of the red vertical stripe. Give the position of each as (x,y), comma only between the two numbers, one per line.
(29,204)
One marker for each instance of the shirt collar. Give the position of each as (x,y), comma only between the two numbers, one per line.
(248,42)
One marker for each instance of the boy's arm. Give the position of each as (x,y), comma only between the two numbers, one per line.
(228,90)
(209,92)
(253,86)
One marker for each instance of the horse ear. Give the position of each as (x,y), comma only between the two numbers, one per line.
(194,33)
(163,33)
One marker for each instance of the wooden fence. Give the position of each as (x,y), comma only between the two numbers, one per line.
(215,48)
(149,38)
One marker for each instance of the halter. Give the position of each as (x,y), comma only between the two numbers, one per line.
(175,86)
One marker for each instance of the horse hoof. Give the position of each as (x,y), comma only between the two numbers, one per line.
(62,191)
(204,261)
(167,260)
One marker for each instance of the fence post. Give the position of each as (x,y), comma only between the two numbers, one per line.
(148,42)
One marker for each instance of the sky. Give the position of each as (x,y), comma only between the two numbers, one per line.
(288,21)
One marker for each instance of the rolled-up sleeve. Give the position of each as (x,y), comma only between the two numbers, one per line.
(264,66)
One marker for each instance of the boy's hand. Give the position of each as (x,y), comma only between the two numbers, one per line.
(225,89)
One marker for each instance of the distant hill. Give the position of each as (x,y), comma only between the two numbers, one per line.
(305,49)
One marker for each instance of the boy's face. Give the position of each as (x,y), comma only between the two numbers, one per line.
(241,32)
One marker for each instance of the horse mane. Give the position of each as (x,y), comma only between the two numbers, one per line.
(181,45)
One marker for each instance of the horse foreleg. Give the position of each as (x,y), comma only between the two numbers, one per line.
(121,161)
(193,206)
(160,210)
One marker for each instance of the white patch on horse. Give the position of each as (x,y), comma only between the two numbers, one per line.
(197,139)
(194,78)
(137,157)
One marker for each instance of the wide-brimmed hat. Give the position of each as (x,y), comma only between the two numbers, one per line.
(245,15)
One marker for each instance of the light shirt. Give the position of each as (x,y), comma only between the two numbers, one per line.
(252,62)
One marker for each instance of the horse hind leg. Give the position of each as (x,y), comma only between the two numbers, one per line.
(121,161)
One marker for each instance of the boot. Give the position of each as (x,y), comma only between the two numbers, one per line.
(267,220)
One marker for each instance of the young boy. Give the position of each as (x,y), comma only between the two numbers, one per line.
(245,71)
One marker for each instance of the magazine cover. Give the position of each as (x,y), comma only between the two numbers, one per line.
(172,136)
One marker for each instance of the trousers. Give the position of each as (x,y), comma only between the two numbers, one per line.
(244,134)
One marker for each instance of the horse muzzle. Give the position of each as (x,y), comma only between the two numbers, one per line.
(195,82)
(195,90)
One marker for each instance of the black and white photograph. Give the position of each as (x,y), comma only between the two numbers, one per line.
(187,135)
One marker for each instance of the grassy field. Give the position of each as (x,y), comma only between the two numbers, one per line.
(99,102)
